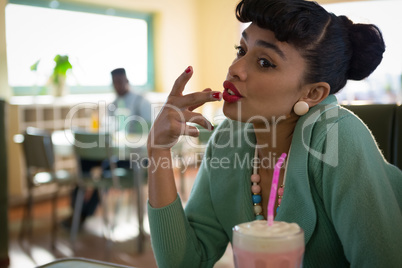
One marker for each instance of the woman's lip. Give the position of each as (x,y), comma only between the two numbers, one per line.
(231,98)
(229,85)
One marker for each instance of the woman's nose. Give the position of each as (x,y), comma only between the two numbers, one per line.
(238,69)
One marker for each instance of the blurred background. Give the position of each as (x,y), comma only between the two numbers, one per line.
(55,55)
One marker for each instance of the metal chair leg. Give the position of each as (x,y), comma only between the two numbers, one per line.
(129,200)
(29,220)
(79,200)
(24,220)
(118,202)
(138,172)
(106,233)
(54,219)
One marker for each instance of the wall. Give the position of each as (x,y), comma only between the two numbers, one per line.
(219,31)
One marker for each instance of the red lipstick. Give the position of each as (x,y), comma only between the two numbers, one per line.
(231,94)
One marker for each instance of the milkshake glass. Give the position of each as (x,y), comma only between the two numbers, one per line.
(257,245)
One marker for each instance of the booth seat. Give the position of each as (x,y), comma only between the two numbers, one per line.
(385,123)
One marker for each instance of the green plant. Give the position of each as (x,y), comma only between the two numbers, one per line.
(58,77)
(60,69)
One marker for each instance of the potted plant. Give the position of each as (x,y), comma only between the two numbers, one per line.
(58,77)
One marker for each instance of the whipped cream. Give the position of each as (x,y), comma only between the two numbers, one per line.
(258,236)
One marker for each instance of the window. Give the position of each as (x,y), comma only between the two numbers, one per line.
(96,41)
(384,84)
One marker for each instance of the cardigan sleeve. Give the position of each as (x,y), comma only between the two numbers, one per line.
(361,193)
(192,237)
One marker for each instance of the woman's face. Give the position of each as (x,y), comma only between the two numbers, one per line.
(267,75)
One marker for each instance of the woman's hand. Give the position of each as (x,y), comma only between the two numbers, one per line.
(177,111)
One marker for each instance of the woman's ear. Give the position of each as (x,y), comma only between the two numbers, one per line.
(315,93)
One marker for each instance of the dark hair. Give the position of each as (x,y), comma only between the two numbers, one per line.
(118,71)
(334,48)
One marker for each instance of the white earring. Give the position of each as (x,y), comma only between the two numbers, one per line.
(301,108)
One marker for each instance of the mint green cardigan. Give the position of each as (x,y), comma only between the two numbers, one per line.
(339,189)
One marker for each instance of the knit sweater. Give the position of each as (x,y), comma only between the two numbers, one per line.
(339,189)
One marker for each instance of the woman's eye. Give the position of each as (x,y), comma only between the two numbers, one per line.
(240,51)
(264,63)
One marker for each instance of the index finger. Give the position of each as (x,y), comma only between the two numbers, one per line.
(191,108)
(181,82)
(197,99)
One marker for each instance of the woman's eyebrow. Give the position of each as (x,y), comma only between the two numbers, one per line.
(265,44)
(271,46)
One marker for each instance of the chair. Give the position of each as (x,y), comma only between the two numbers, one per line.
(97,147)
(196,153)
(398,137)
(379,118)
(40,170)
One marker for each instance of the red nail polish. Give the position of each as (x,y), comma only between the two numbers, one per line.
(216,95)
(188,69)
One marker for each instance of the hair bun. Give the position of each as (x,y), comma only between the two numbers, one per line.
(367,46)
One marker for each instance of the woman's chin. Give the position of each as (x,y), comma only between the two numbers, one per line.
(232,112)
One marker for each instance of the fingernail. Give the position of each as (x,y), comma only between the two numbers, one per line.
(188,69)
(217,95)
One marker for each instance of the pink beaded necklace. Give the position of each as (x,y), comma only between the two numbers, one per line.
(256,189)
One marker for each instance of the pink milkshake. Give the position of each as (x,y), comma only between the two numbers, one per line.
(257,245)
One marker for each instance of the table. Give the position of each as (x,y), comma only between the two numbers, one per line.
(80,263)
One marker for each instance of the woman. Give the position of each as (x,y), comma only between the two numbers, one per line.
(279,95)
